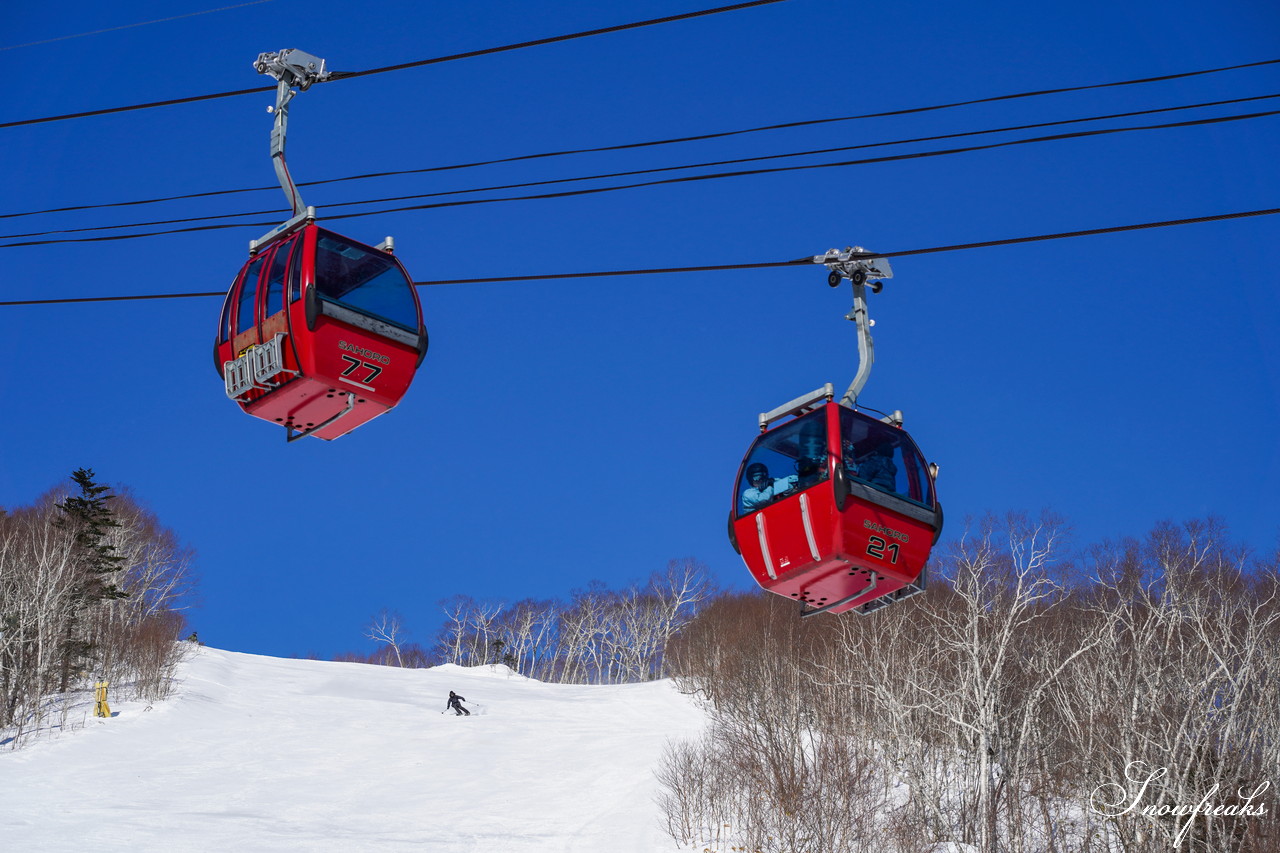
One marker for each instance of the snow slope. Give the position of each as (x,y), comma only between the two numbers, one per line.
(259,754)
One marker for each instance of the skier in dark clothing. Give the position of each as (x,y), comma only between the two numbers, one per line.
(455,702)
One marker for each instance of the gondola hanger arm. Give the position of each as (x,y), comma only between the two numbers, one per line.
(290,68)
(862,268)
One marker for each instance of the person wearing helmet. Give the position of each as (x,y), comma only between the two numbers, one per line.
(762,489)
(455,702)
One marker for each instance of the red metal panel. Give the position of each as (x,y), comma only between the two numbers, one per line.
(306,401)
(351,359)
(877,538)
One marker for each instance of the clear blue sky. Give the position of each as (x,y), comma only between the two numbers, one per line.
(568,430)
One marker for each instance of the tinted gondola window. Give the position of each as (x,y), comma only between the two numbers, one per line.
(245,318)
(883,457)
(295,273)
(275,278)
(783,462)
(224,323)
(365,280)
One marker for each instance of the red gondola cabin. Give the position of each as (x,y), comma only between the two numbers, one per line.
(319,334)
(835,509)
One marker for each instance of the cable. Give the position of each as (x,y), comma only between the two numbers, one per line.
(111,298)
(346,75)
(630,145)
(658,169)
(139,24)
(683,16)
(615,174)
(615,188)
(779,169)
(808,259)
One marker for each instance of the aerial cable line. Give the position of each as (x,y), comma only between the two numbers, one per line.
(683,16)
(346,75)
(591,177)
(808,259)
(631,145)
(778,169)
(905,253)
(634,172)
(663,181)
(138,24)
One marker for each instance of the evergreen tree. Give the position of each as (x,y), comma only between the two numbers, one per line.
(89,519)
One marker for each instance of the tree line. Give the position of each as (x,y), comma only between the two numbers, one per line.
(599,635)
(1123,700)
(91,587)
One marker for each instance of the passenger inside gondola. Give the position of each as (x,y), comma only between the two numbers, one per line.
(764,489)
(878,468)
(875,455)
(800,446)
(811,466)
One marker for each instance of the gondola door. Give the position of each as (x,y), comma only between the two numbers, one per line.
(787,519)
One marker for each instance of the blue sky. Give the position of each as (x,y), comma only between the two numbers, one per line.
(563,431)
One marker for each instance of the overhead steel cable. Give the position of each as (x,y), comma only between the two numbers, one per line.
(108,111)
(138,24)
(664,181)
(632,145)
(808,259)
(683,16)
(347,75)
(655,170)
(905,253)
(808,166)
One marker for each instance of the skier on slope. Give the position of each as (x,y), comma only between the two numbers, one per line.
(455,702)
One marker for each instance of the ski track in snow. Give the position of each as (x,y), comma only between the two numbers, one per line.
(255,753)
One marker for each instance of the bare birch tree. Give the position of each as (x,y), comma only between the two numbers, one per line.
(387,628)
(1013,707)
